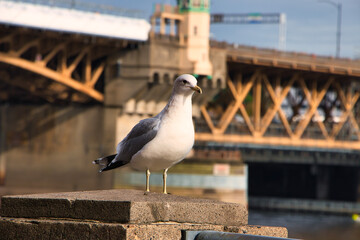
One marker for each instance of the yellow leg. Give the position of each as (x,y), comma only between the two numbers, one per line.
(147,180)
(164,180)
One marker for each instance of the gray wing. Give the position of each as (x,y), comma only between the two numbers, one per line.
(138,137)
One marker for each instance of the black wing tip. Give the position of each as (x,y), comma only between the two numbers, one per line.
(109,167)
(107,164)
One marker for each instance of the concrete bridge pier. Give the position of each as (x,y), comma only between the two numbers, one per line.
(120,214)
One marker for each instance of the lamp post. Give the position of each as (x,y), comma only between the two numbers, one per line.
(338,32)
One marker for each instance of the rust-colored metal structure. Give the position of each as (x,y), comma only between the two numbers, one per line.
(54,65)
(268,89)
(271,98)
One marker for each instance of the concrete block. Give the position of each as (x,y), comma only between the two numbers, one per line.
(124,206)
(31,229)
(21,228)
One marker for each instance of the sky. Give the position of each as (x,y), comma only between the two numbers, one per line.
(311,24)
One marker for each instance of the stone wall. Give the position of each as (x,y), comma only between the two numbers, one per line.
(160,60)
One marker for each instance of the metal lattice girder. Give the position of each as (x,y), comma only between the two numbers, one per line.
(74,62)
(63,74)
(273,90)
(277,99)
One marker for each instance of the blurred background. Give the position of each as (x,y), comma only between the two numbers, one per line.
(277,125)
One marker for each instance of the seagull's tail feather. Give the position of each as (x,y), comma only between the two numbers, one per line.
(109,163)
(104,161)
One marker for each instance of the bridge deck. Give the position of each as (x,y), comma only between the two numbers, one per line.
(290,60)
(73,21)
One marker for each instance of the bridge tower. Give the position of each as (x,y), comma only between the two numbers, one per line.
(188,24)
(196,28)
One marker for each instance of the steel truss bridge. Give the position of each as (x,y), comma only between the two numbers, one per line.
(54,66)
(288,99)
(271,97)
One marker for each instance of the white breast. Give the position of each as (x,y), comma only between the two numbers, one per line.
(172,143)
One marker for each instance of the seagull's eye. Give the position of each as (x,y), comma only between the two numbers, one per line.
(184,82)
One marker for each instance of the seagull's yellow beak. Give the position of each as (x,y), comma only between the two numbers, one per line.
(197,89)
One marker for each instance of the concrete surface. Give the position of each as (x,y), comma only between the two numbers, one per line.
(33,229)
(120,214)
(124,206)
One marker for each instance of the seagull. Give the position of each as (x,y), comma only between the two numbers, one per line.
(159,142)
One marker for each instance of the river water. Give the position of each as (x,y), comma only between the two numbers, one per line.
(312,226)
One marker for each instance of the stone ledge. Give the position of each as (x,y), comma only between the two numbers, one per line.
(124,206)
(21,228)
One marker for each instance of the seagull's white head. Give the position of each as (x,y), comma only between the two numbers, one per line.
(186,84)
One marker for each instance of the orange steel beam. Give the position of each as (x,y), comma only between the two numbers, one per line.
(207,119)
(311,98)
(239,98)
(354,123)
(96,75)
(345,116)
(24,48)
(54,75)
(62,58)
(52,54)
(281,141)
(63,73)
(238,80)
(227,111)
(87,68)
(233,107)
(257,104)
(348,103)
(69,70)
(277,100)
(277,95)
(304,122)
(241,108)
